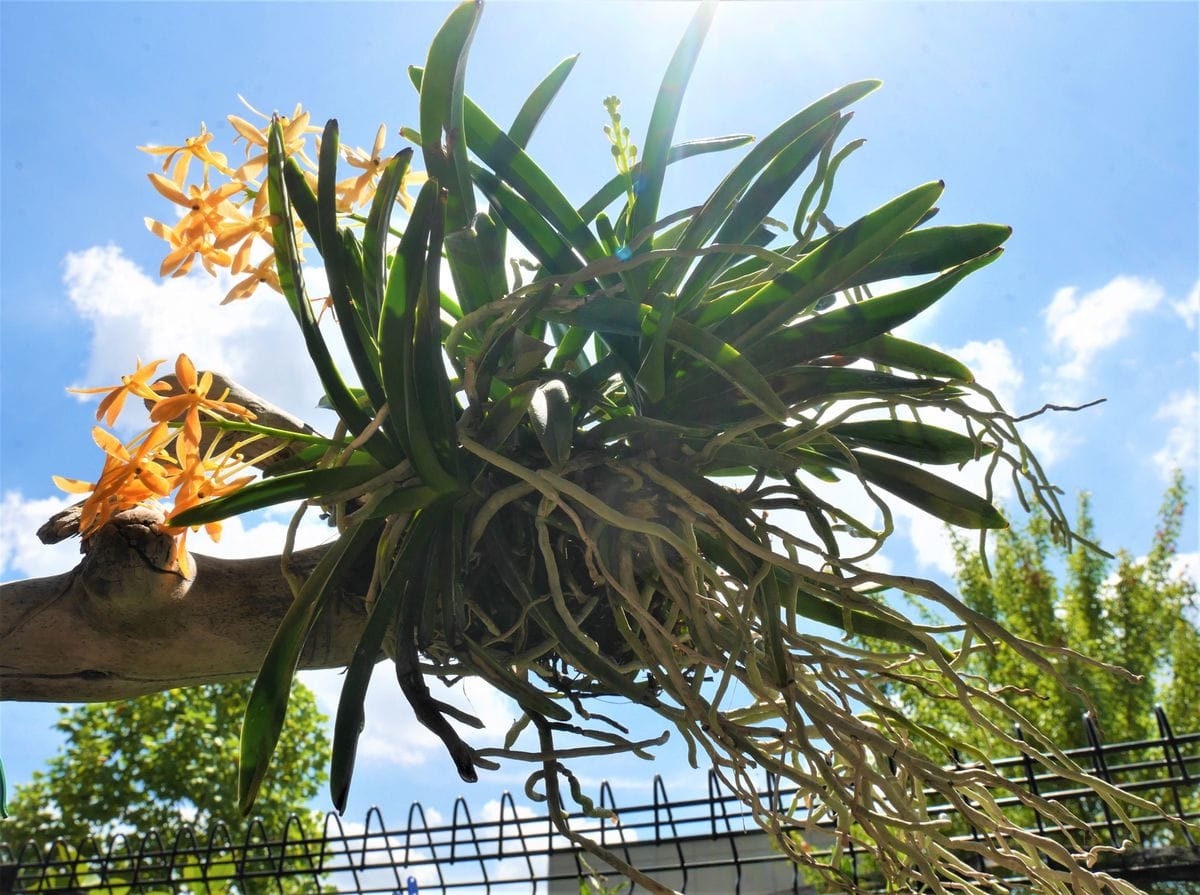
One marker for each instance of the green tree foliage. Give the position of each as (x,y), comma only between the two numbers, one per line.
(160,760)
(1134,612)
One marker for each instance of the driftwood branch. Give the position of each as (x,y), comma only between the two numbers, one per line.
(126,621)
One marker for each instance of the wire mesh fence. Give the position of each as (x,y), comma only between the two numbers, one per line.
(700,845)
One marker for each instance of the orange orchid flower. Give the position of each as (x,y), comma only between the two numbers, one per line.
(127,479)
(136,383)
(194,400)
(203,479)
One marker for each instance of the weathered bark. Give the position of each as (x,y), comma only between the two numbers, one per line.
(126,621)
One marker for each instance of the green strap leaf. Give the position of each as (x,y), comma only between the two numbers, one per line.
(726,360)
(924,490)
(919,442)
(430,387)
(512,165)
(719,205)
(350,715)
(852,324)
(267,706)
(538,102)
(823,270)
(901,354)
(657,145)
(291,281)
(760,199)
(546,244)
(932,250)
(375,234)
(354,334)
(307,484)
(441,112)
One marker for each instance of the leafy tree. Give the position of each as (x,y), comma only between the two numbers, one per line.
(161,760)
(1135,613)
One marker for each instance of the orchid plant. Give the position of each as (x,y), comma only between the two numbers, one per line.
(620,472)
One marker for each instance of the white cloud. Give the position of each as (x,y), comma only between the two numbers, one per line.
(1180,448)
(1186,565)
(1189,308)
(22,555)
(132,313)
(1083,326)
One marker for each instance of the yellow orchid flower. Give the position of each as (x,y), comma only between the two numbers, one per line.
(193,147)
(136,383)
(359,190)
(295,127)
(263,272)
(246,231)
(208,211)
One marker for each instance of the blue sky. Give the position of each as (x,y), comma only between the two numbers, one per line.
(1074,123)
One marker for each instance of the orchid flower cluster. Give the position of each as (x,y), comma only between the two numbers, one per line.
(222,222)
(167,457)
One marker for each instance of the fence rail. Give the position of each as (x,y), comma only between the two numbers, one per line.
(684,841)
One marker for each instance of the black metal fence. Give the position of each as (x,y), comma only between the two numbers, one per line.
(700,845)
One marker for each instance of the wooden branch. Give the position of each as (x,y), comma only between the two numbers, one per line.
(126,621)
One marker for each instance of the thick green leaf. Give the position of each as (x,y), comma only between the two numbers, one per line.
(376,231)
(538,101)
(350,715)
(924,490)
(505,414)
(900,354)
(656,327)
(267,706)
(760,199)
(657,145)
(291,281)
(719,205)
(823,270)
(932,250)
(404,500)
(705,405)
(441,112)
(399,310)
(355,332)
(309,483)
(512,165)
(726,360)
(919,442)
(430,385)
(851,324)
(549,247)
(553,420)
